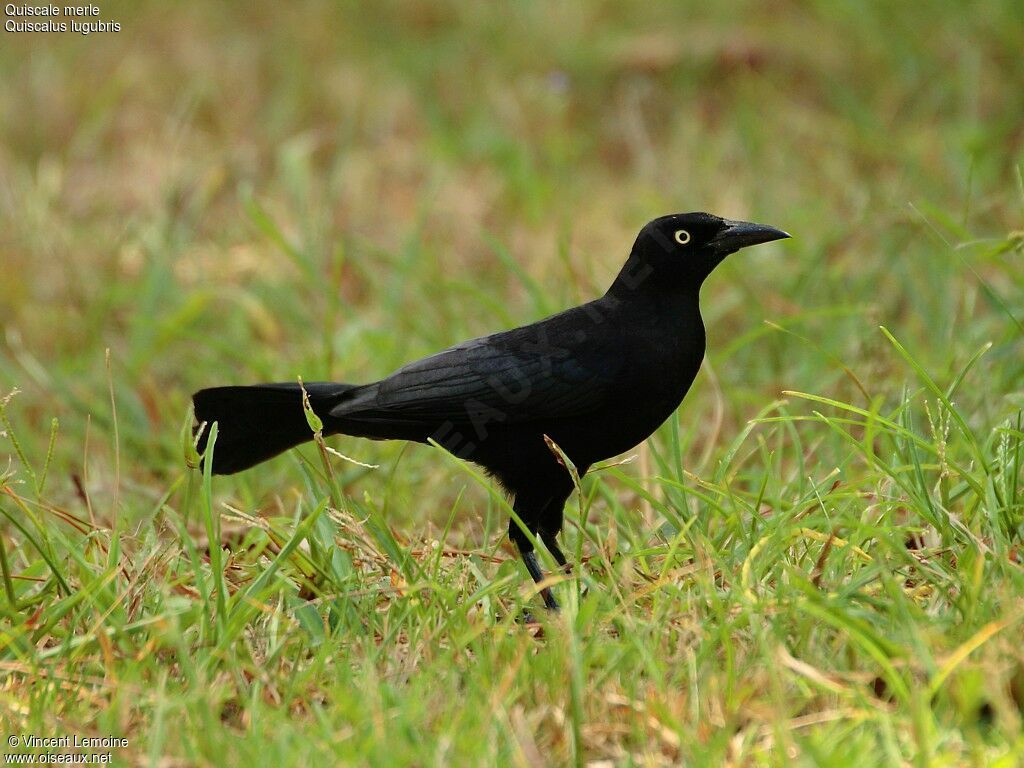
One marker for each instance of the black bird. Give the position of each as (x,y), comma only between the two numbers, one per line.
(596,379)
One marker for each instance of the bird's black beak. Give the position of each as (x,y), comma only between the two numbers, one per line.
(740,234)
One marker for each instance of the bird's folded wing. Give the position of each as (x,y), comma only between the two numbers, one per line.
(509,378)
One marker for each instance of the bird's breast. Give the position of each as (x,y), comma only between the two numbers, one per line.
(657,372)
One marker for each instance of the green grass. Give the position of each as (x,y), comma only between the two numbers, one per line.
(816,561)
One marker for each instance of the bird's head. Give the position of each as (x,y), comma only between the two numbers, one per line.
(682,249)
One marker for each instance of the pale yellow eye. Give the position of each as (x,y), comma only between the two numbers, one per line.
(682,236)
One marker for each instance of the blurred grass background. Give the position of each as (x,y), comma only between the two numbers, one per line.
(220,194)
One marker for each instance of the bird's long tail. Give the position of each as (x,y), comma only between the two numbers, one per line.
(258,422)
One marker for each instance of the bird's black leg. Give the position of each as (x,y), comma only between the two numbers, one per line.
(529,556)
(550,521)
(545,520)
(548,537)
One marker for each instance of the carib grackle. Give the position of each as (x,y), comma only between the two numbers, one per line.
(596,379)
